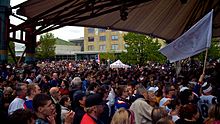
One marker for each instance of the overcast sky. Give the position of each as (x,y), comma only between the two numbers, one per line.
(66,33)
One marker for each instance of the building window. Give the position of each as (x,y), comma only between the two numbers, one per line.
(90,47)
(114,46)
(102,38)
(91,30)
(102,30)
(91,39)
(102,47)
(114,37)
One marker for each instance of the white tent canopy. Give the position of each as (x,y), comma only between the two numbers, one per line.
(119,64)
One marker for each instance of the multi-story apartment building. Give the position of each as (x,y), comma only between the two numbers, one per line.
(102,40)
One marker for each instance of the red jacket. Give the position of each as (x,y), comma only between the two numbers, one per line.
(87,120)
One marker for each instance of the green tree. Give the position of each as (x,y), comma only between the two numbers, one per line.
(46,48)
(11,52)
(140,49)
(106,56)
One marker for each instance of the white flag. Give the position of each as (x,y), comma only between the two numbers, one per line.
(192,42)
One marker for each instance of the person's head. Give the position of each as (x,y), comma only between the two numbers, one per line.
(185,96)
(55,75)
(122,91)
(141,90)
(152,97)
(64,84)
(104,91)
(33,89)
(93,87)
(46,78)
(43,105)
(79,98)
(76,82)
(7,92)
(65,101)
(170,90)
(22,116)
(189,111)
(130,88)
(94,104)
(158,113)
(123,116)
(55,93)
(21,90)
(214,112)
(165,120)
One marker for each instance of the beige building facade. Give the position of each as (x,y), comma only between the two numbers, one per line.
(96,39)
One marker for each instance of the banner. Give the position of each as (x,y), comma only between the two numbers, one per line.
(192,42)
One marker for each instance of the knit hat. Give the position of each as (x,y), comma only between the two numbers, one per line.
(206,87)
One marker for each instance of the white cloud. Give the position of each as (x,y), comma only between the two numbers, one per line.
(66,33)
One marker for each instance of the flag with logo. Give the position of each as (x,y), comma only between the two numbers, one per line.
(192,42)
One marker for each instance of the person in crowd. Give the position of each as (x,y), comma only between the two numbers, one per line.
(152,100)
(189,114)
(104,91)
(170,91)
(65,107)
(165,102)
(44,109)
(32,90)
(18,102)
(158,113)
(206,99)
(213,115)
(94,108)
(64,87)
(54,82)
(123,116)
(93,88)
(131,89)
(56,96)
(45,84)
(166,120)
(76,86)
(111,99)
(142,110)
(22,116)
(175,107)
(7,97)
(80,106)
(121,99)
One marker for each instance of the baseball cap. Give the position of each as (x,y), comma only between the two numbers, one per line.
(94,99)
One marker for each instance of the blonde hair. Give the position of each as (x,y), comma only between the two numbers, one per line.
(121,116)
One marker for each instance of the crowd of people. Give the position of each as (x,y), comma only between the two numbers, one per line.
(85,92)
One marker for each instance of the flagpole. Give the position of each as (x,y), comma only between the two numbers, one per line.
(204,66)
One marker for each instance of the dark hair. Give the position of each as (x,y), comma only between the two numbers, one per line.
(92,86)
(66,83)
(120,89)
(40,100)
(184,96)
(64,99)
(21,116)
(158,113)
(187,111)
